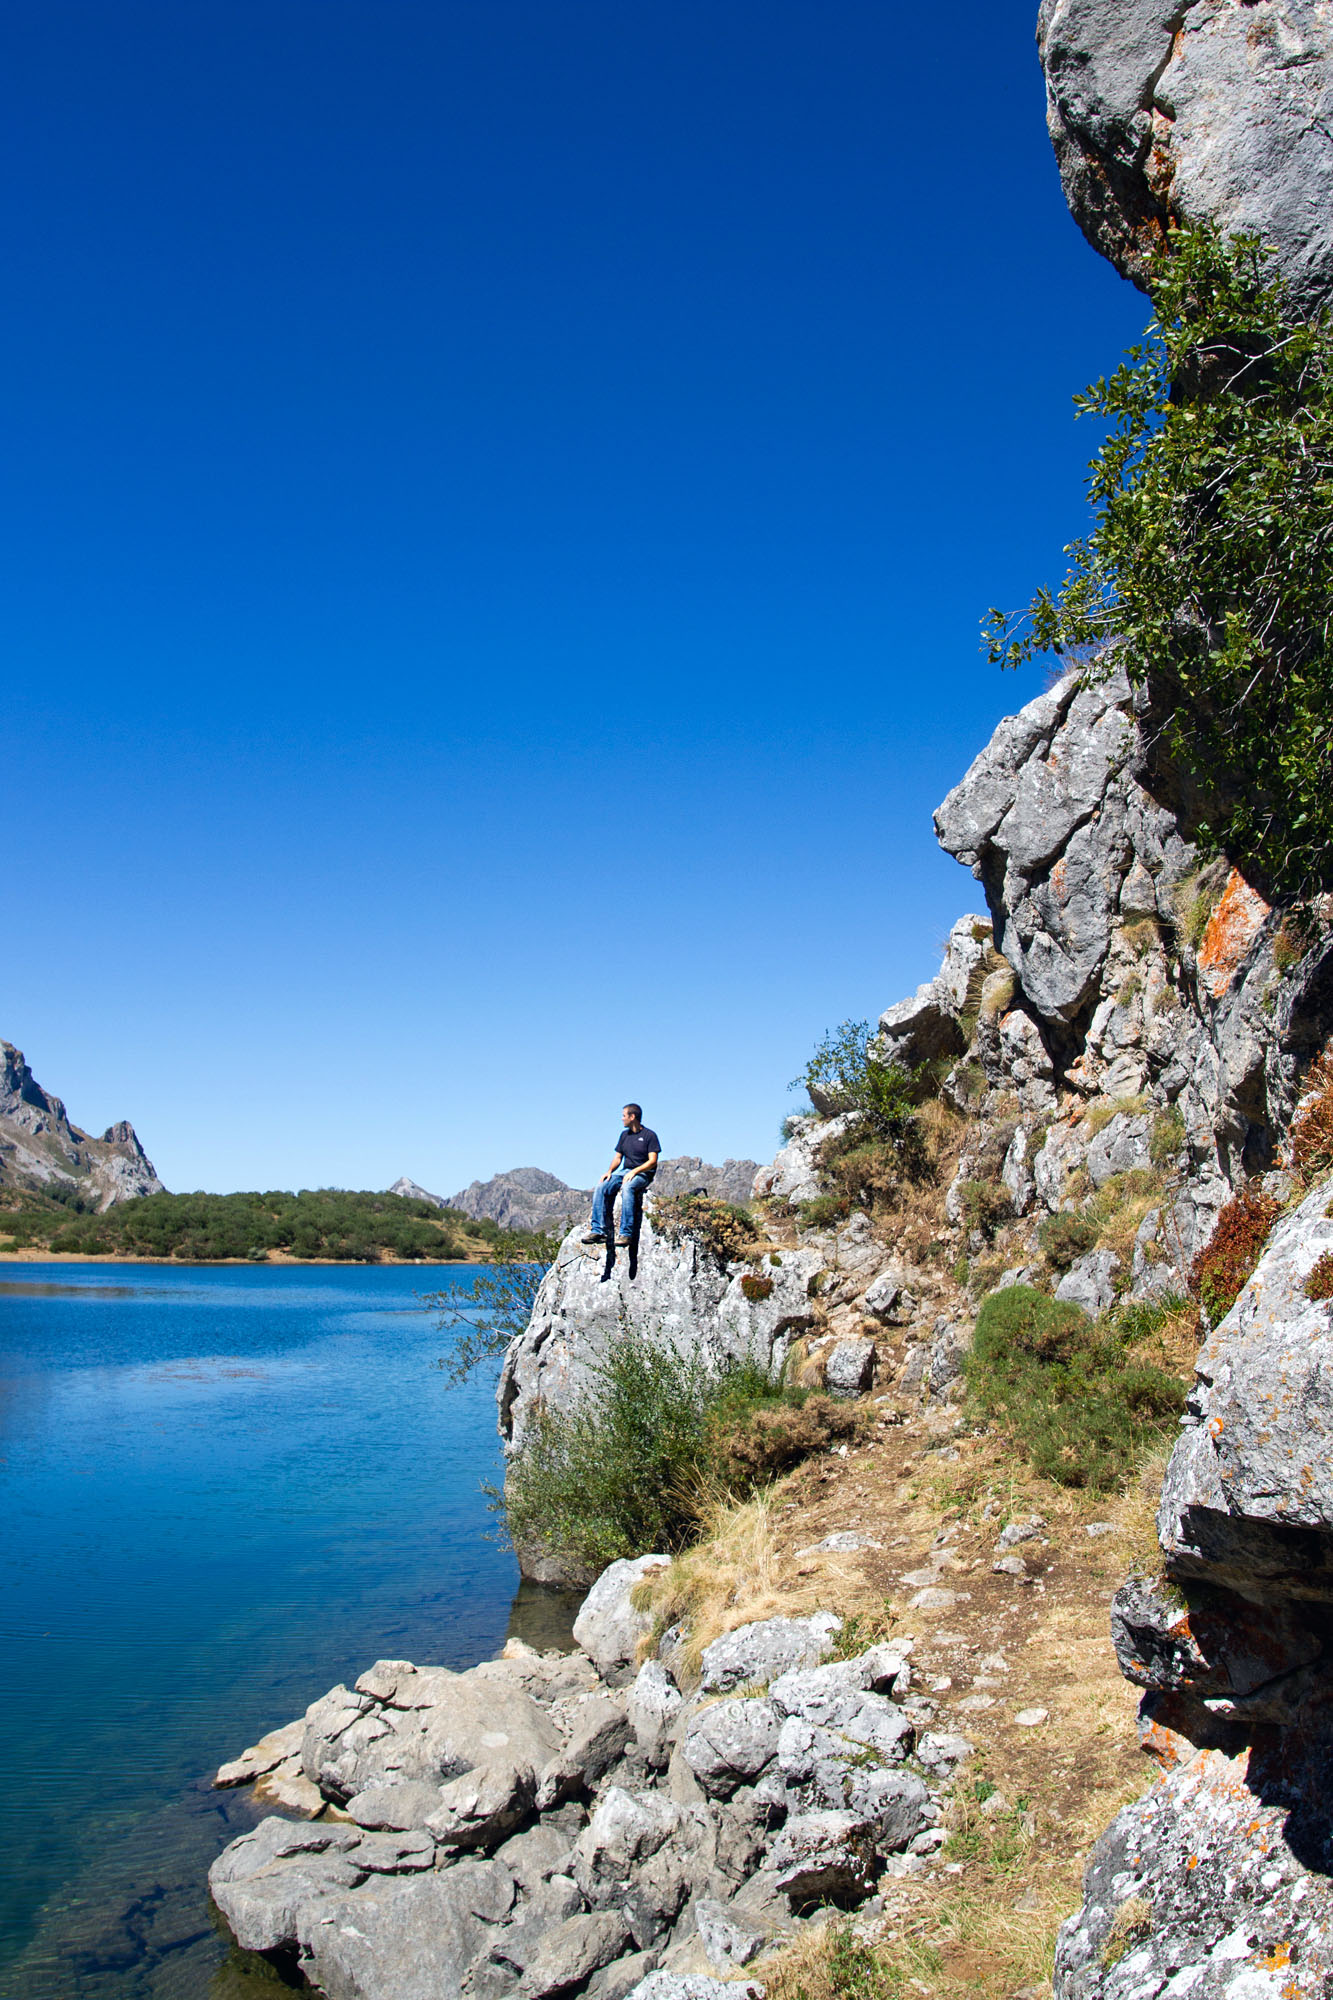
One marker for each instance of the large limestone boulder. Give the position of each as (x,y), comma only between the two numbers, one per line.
(681,1294)
(1248,1495)
(1211,113)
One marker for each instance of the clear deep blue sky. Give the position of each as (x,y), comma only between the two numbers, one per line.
(499,499)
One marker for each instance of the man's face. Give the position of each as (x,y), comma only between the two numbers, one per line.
(627,1117)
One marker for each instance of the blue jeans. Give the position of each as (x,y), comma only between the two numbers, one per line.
(604,1199)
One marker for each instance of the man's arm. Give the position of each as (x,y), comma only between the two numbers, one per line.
(616,1163)
(645,1166)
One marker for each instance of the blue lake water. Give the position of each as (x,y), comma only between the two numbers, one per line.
(224,1489)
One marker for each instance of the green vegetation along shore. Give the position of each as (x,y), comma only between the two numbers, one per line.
(318,1224)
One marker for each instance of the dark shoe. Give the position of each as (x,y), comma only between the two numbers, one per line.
(593,1236)
(623,1242)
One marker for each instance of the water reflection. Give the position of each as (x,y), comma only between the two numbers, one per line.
(543,1614)
(22,1288)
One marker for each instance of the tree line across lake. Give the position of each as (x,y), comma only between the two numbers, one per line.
(324,1223)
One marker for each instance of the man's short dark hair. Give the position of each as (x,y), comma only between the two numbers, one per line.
(637,1109)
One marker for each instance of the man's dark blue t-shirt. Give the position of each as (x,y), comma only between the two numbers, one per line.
(634,1147)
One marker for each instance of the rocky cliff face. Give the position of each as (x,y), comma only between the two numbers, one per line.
(40,1150)
(1216,112)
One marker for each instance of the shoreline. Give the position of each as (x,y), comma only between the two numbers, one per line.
(31,1255)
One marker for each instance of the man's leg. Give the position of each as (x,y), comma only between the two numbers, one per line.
(629,1205)
(603,1197)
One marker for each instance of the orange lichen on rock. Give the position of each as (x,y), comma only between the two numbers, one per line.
(1231,931)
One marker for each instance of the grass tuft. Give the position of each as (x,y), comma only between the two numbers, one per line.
(1077,1403)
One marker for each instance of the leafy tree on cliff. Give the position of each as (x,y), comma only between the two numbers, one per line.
(1209,569)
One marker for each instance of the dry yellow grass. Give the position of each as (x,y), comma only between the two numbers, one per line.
(736,1574)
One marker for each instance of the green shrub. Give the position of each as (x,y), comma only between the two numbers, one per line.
(1066,1237)
(1078,1406)
(719,1227)
(846,1076)
(629,1464)
(822,1211)
(756,1288)
(984,1204)
(1209,568)
(1167,1136)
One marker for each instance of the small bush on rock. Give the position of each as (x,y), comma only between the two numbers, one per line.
(984,1204)
(1077,1404)
(719,1227)
(1167,1136)
(1232,1251)
(1319,1284)
(1312,1131)
(1066,1237)
(755,1288)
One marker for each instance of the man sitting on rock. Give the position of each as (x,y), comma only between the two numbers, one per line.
(633,1165)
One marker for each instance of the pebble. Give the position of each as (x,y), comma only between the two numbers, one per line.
(1031,1718)
(1100,1528)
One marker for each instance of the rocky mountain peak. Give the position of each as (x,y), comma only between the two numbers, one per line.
(41,1151)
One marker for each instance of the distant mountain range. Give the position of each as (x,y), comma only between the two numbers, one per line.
(530,1198)
(42,1152)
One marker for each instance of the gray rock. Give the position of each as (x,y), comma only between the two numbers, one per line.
(428,1725)
(625,1828)
(1248,1496)
(411,1940)
(599,1733)
(833,1693)
(1120,1147)
(653,1705)
(1197,1884)
(681,1296)
(949,1347)
(1222,1646)
(754,1655)
(845,1542)
(894,1803)
(853,1726)
(534,1856)
(572,1952)
(608,1627)
(929,1025)
(849,1367)
(823,1854)
(695,1986)
(266,1755)
(1200,114)
(1021,1531)
(483,1807)
(729,1743)
(394,1806)
(266,1880)
(619,1979)
(889,1298)
(939,1750)
(726,1943)
(517,1943)
(1090,1282)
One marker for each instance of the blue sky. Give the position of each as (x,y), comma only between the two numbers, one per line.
(500,497)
